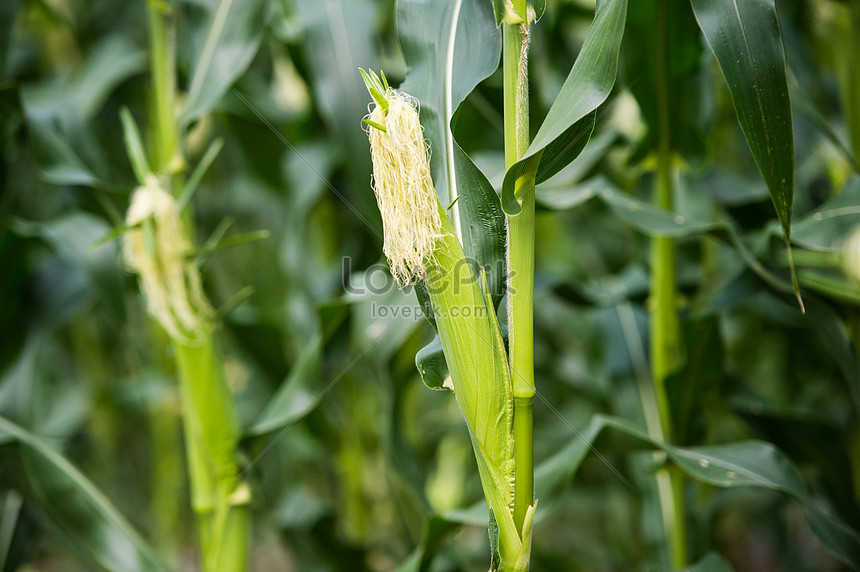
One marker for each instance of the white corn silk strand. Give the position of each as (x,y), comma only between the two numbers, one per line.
(169,278)
(403,187)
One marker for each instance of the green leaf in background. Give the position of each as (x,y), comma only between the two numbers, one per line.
(58,113)
(712,562)
(81,507)
(338,38)
(565,131)
(431,32)
(701,371)
(294,399)
(654,221)
(233,32)
(826,227)
(8,12)
(745,463)
(134,146)
(436,529)
(745,38)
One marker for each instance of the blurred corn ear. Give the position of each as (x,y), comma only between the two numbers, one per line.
(419,250)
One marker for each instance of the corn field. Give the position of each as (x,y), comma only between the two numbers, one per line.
(429,285)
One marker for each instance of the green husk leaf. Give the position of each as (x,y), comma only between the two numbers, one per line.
(430,361)
(134,146)
(524,556)
(376,125)
(493,530)
(113,234)
(194,180)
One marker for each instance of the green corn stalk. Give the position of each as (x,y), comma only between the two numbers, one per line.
(464,314)
(158,238)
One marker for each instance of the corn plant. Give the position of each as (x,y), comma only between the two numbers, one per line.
(494,385)
(747,43)
(158,247)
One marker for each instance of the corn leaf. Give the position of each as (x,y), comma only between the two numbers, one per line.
(231,36)
(92,519)
(825,228)
(569,123)
(745,38)
(741,464)
(294,399)
(683,60)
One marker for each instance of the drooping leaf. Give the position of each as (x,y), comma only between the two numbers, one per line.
(745,463)
(745,37)
(567,126)
(654,221)
(232,34)
(79,505)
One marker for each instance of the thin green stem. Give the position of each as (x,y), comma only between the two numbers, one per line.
(521,249)
(162,72)
(665,329)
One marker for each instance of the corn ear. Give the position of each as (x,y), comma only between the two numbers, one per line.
(420,244)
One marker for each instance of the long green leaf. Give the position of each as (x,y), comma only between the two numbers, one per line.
(745,37)
(233,34)
(113,541)
(746,463)
(569,123)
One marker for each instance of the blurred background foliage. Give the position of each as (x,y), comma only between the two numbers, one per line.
(356,465)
